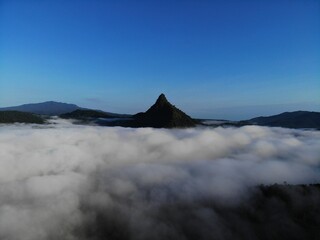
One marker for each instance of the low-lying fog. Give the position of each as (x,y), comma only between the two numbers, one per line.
(86,182)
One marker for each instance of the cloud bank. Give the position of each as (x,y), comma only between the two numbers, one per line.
(84,182)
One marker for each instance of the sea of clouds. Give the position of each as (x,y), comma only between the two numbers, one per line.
(66,181)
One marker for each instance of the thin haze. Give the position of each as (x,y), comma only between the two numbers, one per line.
(82,182)
(210,57)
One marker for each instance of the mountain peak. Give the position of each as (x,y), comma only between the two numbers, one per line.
(161,100)
(164,114)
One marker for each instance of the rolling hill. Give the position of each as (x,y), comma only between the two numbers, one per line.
(19,117)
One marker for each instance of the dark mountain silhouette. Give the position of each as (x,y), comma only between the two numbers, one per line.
(298,119)
(19,117)
(164,115)
(89,113)
(44,108)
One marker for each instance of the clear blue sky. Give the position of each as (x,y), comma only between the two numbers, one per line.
(214,59)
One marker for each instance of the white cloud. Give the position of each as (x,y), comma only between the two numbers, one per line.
(48,175)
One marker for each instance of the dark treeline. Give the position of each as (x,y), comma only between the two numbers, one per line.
(269,213)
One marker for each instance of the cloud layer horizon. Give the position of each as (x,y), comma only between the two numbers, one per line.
(57,182)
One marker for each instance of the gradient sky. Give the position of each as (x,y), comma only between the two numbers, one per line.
(212,59)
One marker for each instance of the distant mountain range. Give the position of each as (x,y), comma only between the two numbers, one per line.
(45,108)
(64,110)
(298,119)
(162,114)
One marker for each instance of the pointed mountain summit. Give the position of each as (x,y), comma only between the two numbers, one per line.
(163,114)
(162,100)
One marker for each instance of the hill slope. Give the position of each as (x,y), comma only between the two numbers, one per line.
(45,108)
(19,117)
(298,119)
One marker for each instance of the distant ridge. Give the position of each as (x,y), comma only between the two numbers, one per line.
(89,113)
(163,114)
(297,119)
(44,108)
